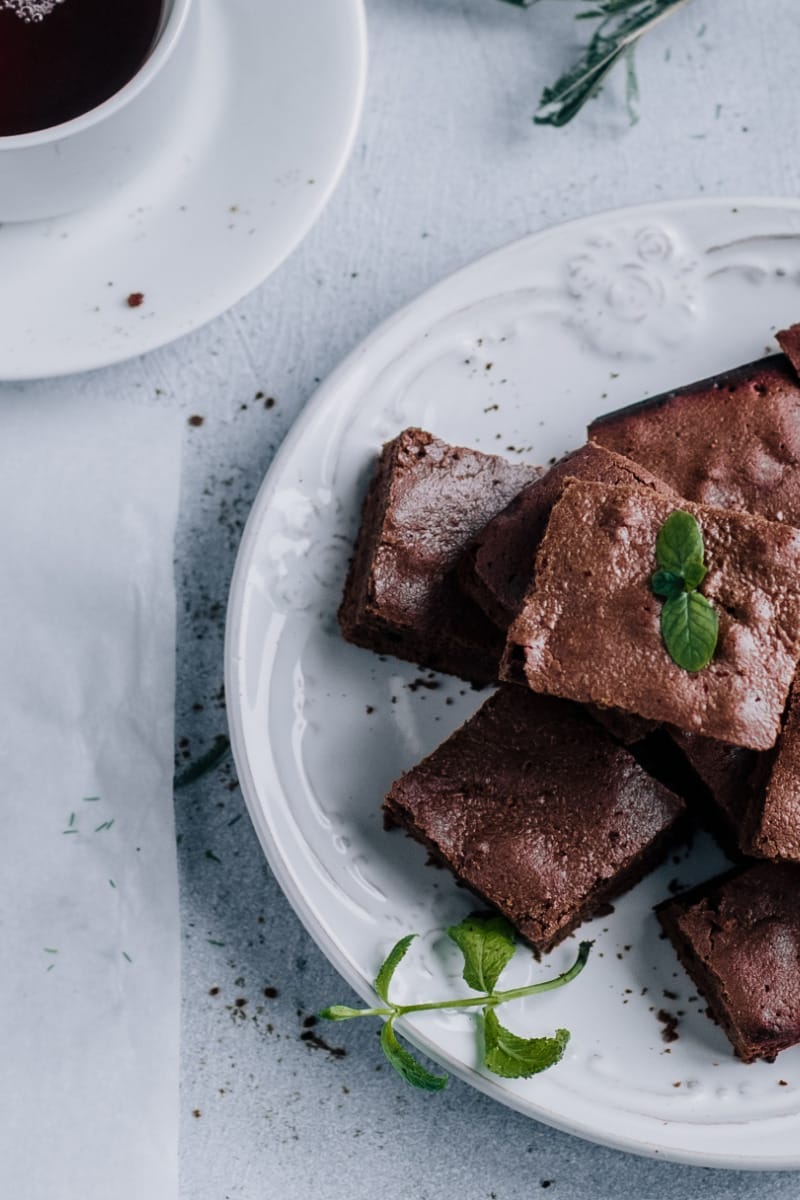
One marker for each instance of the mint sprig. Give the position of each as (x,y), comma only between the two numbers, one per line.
(488,945)
(689,622)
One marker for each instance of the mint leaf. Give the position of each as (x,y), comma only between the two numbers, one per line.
(406,1065)
(689,623)
(667,583)
(679,545)
(339,1012)
(393,960)
(693,574)
(690,628)
(514,1057)
(487,944)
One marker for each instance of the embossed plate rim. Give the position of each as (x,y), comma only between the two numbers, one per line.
(650,1136)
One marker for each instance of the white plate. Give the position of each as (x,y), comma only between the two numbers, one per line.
(574,322)
(251,159)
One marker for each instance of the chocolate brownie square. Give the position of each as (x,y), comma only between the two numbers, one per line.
(497,569)
(426,502)
(590,628)
(732,441)
(771,822)
(738,937)
(536,809)
(756,796)
(723,776)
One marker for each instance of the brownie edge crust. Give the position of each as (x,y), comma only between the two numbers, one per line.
(534,807)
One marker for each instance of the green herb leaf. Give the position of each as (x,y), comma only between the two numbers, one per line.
(514,1057)
(393,960)
(690,628)
(689,623)
(406,1065)
(339,1012)
(487,944)
(667,583)
(622,23)
(694,574)
(679,545)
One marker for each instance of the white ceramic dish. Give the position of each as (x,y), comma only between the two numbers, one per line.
(519,350)
(255,148)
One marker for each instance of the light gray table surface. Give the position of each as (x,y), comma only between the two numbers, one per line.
(447,165)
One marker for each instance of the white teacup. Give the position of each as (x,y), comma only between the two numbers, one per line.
(67,167)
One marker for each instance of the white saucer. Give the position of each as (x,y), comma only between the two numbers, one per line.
(265,131)
(513,354)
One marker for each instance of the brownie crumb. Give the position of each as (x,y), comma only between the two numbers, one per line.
(213,991)
(195,421)
(670,1022)
(782,1083)
(240,1002)
(196,1112)
(270,992)
(546,1183)
(269,402)
(135,299)
(430,684)
(668,995)
(309,1022)
(370,709)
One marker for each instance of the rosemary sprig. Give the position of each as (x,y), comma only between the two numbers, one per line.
(622,23)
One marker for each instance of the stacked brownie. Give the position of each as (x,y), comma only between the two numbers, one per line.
(588,630)
(558,795)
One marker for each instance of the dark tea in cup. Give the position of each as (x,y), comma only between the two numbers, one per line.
(61,58)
